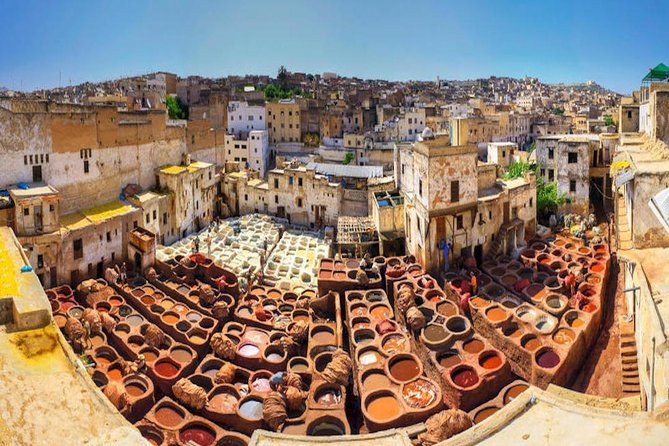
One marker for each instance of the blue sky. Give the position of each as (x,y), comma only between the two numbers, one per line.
(613,42)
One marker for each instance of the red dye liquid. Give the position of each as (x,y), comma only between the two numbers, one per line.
(465,378)
(590,307)
(491,362)
(166,369)
(548,359)
(197,434)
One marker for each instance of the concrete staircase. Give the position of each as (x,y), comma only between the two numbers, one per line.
(624,235)
(496,244)
(628,358)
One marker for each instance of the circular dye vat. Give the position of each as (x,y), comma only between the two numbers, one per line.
(328,396)
(194,317)
(166,369)
(257,337)
(223,402)
(198,434)
(363,337)
(249,350)
(149,355)
(274,356)
(169,318)
(548,359)
(576,322)
(179,308)
(147,300)
(375,380)
(404,369)
(322,336)
(597,267)
(114,374)
(135,389)
(394,344)
(359,310)
(134,320)
(383,408)
(447,309)
(115,300)
(474,346)
(244,311)
(181,355)
(479,302)
(465,377)
(251,409)
(590,307)
(531,344)
(168,416)
(369,357)
(449,359)
(434,333)
(419,394)
(496,314)
(484,413)
(299,365)
(261,384)
(513,392)
(490,361)
(380,312)
(326,427)
(512,331)
(97,340)
(564,336)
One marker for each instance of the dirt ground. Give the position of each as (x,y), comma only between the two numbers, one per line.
(602,371)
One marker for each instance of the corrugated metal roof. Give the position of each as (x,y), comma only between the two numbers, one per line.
(344,170)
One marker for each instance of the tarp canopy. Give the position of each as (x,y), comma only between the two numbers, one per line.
(659,73)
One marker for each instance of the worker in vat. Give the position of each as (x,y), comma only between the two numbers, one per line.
(124,273)
(196,244)
(474,283)
(570,283)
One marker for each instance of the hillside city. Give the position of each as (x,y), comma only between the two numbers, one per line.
(266,259)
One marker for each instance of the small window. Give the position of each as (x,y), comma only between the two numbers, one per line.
(551,154)
(572,157)
(276,183)
(299,182)
(572,186)
(40,261)
(290,181)
(154,214)
(148,218)
(551,174)
(276,198)
(455,191)
(108,236)
(26,211)
(86,167)
(78,248)
(459,222)
(52,208)
(420,187)
(164,218)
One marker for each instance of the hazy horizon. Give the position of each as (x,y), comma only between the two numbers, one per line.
(613,43)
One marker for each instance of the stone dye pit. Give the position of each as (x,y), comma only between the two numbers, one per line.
(216,355)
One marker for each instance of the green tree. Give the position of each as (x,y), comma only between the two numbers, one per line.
(175,108)
(608,120)
(350,156)
(282,77)
(517,170)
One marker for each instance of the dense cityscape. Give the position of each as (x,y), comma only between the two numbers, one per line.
(270,259)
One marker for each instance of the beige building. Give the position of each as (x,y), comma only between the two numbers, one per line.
(450,198)
(283,121)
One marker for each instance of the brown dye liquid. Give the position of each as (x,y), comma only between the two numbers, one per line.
(485,413)
(564,336)
(434,333)
(404,369)
(380,312)
(223,402)
(375,381)
(383,408)
(166,369)
(181,355)
(449,360)
(532,344)
(513,392)
(168,416)
(479,302)
(135,389)
(496,314)
(323,337)
(474,346)
(114,375)
(446,309)
(394,344)
(149,356)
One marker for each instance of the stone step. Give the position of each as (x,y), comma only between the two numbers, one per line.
(627,343)
(628,352)
(625,244)
(631,389)
(627,381)
(628,359)
(631,368)
(630,376)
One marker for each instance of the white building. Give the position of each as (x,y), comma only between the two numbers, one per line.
(243,117)
(410,123)
(250,149)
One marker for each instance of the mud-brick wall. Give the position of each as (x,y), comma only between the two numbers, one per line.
(660,115)
(445,169)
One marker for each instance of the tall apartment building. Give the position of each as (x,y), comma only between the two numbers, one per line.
(283,121)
